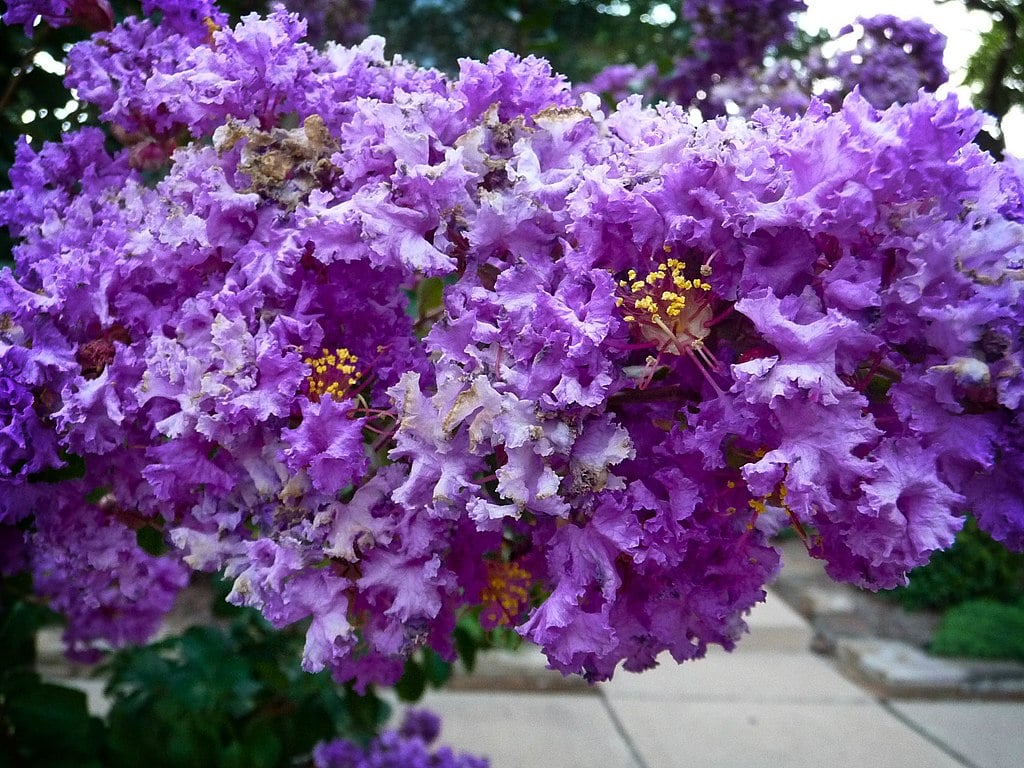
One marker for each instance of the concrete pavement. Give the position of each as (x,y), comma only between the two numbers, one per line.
(771,703)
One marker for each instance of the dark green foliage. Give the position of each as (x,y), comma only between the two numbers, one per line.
(423,669)
(46,724)
(579,37)
(979,585)
(228,697)
(24,85)
(982,629)
(40,723)
(220,696)
(976,567)
(151,540)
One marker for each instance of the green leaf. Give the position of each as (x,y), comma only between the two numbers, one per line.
(975,567)
(413,683)
(437,670)
(430,294)
(151,541)
(366,714)
(49,724)
(469,637)
(983,60)
(18,627)
(73,468)
(261,746)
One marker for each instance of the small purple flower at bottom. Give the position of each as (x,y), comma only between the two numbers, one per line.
(407,747)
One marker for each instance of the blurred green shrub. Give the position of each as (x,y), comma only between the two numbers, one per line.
(975,567)
(228,697)
(225,695)
(982,629)
(41,724)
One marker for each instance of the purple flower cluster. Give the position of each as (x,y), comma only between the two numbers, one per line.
(733,65)
(343,21)
(385,346)
(408,747)
(893,59)
(787,85)
(620,81)
(728,37)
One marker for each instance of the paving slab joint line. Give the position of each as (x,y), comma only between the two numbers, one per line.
(963,760)
(631,747)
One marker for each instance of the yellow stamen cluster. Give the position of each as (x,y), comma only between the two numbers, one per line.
(507,588)
(660,292)
(666,307)
(334,374)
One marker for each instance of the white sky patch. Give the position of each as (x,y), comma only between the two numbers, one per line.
(63,113)
(47,63)
(661,15)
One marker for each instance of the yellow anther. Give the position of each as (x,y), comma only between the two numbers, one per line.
(647,305)
(332,373)
(507,589)
(669,309)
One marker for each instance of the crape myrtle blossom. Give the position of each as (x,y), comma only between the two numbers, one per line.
(385,347)
(343,21)
(727,37)
(408,746)
(892,59)
(887,58)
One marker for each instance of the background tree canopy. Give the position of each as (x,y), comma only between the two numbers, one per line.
(578,37)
